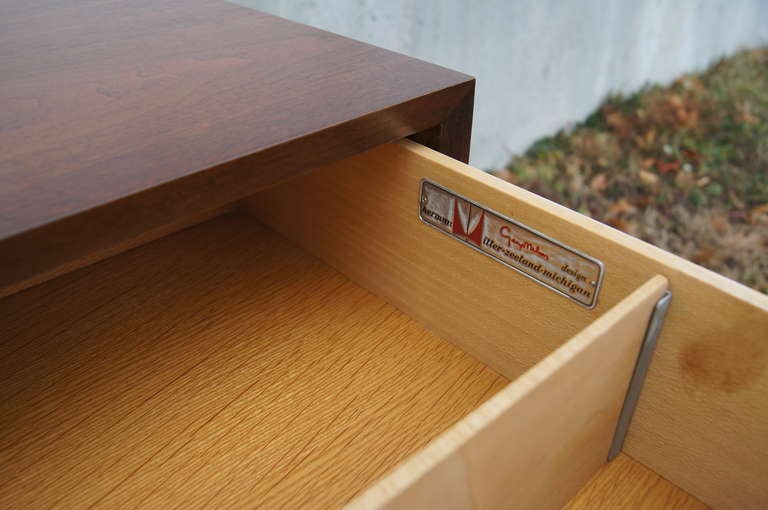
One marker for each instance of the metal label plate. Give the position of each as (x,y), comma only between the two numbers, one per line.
(549,262)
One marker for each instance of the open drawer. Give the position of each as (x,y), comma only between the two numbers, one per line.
(322,345)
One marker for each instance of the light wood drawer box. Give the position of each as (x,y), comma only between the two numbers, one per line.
(321,344)
(216,291)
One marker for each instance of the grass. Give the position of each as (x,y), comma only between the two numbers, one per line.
(684,166)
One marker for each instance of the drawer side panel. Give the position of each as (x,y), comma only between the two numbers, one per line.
(535,443)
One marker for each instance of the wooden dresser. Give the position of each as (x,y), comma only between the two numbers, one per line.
(244,264)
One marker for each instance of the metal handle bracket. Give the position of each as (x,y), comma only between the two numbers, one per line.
(638,375)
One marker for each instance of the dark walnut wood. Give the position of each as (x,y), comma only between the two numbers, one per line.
(123,121)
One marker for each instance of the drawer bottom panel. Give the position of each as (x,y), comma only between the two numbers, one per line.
(625,483)
(221,365)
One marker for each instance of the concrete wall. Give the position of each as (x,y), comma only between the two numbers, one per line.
(541,64)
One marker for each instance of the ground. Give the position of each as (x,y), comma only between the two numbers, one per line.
(684,166)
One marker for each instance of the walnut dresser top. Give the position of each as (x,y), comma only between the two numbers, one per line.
(120,119)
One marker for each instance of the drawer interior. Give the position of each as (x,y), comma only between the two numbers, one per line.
(222,365)
(294,354)
(219,365)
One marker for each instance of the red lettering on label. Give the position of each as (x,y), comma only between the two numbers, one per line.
(506,233)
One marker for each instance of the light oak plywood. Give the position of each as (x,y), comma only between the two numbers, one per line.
(625,483)
(535,443)
(220,366)
(702,421)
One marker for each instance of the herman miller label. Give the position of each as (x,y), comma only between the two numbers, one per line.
(541,258)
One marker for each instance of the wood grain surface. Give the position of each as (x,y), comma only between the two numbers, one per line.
(625,483)
(702,420)
(220,366)
(121,118)
(536,442)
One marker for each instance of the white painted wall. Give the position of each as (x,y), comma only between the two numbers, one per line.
(541,64)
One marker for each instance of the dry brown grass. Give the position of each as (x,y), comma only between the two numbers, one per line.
(684,167)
